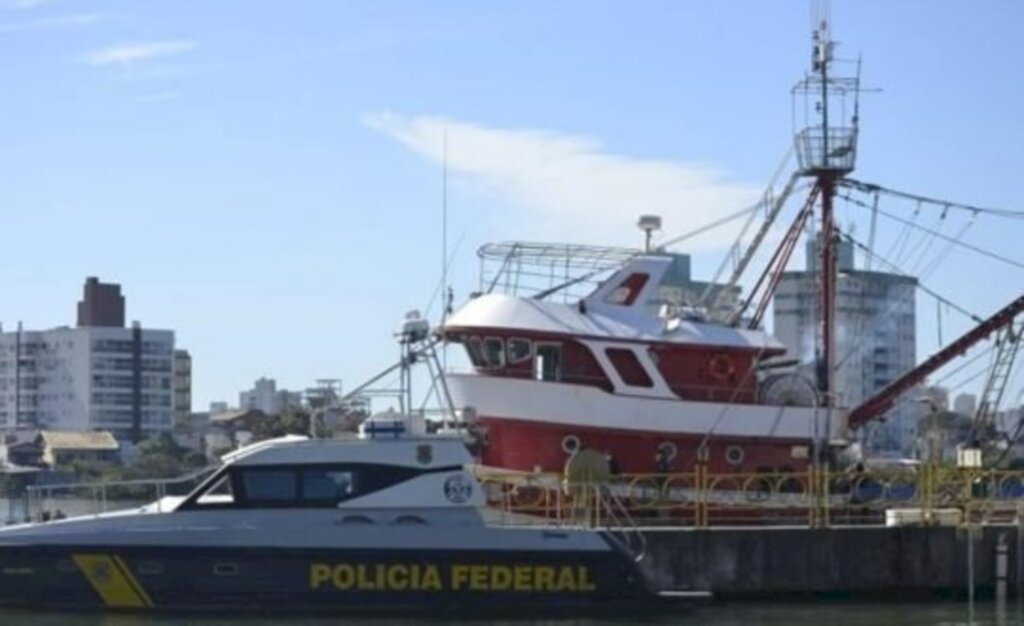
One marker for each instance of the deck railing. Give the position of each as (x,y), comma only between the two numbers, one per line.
(814,498)
(91,498)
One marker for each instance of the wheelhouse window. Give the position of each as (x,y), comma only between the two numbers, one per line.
(269,485)
(519,350)
(629,368)
(548,363)
(220,493)
(474,347)
(300,486)
(327,486)
(494,352)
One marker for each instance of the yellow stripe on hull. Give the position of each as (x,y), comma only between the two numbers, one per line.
(113,581)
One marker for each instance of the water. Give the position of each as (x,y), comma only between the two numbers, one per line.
(742,614)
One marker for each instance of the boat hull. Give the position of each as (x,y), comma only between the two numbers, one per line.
(531,446)
(527,423)
(162,578)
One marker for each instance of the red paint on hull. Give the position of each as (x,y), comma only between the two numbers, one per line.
(530,446)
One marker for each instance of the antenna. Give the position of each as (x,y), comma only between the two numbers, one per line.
(445,289)
(649,224)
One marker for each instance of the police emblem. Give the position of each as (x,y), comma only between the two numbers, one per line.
(457,489)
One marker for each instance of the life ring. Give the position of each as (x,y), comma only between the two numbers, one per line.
(721,367)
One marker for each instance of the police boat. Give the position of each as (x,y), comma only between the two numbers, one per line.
(386,522)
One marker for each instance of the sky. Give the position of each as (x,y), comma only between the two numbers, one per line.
(265,177)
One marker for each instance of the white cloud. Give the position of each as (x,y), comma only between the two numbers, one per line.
(58,21)
(570,186)
(126,54)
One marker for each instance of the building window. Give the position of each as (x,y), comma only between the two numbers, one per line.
(629,368)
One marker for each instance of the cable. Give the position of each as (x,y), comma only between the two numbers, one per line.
(963,365)
(991,255)
(920,285)
(861,186)
(710,226)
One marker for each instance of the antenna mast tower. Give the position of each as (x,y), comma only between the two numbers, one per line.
(826,148)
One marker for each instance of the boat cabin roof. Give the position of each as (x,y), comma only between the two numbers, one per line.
(623,308)
(404,451)
(497,311)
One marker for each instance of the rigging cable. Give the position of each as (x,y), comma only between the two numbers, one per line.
(934,265)
(973,248)
(929,291)
(925,246)
(863,187)
(901,240)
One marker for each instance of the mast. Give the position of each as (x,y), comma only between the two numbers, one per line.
(826,148)
(826,186)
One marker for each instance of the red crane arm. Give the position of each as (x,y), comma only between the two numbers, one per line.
(884,399)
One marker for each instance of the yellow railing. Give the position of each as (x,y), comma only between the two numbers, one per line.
(816,497)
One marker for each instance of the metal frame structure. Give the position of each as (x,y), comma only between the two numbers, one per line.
(542,270)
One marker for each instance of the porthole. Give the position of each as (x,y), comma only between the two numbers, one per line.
(149,568)
(734,455)
(356,520)
(669,449)
(570,444)
(225,569)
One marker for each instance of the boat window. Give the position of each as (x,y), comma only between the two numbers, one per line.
(219,493)
(269,485)
(328,486)
(302,485)
(474,348)
(629,368)
(494,352)
(548,364)
(628,290)
(519,350)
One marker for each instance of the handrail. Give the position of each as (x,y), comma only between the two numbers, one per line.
(623,524)
(99,490)
(818,497)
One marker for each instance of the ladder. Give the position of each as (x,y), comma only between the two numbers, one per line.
(1006,345)
(613,516)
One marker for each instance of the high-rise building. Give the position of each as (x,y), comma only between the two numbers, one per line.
(679,287)
(182,387)
(102,304)
(96,376)
(965,404)
(266,397)
(875,337)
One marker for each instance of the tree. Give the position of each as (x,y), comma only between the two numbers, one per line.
(164,444)
(291,421)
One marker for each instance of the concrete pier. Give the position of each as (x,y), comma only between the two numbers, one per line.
(850,562)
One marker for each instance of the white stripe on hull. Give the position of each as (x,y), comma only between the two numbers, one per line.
(580,405)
